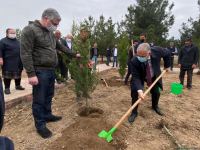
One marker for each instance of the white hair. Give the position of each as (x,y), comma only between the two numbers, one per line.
(69,35)
(144,47)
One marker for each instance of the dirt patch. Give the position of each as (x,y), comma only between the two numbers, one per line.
(76,132)
(83,135)
(90,112)
(115,81)
(111,77)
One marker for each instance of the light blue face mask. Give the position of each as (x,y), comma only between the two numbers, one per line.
(142,59)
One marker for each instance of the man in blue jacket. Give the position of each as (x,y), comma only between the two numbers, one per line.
(145,67)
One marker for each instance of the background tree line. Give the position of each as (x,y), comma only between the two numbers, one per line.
(153,17)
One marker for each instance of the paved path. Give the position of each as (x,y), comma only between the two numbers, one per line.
(15,94)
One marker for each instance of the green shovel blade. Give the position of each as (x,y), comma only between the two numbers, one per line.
(107,135)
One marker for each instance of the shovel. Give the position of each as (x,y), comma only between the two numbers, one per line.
(108,135)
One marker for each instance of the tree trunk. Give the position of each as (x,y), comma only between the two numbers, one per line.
(102,59)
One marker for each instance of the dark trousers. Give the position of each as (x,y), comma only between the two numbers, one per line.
(7,82)
(129,72)
(2,105)
(115,61)
(6,144)
(42,97)
(189,76)
(108,60)
(172,62)
(61,68)
(155,95)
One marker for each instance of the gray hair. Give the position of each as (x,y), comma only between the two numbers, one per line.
(144,46)
(51,14)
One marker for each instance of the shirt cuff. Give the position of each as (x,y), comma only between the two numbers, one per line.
(139,91)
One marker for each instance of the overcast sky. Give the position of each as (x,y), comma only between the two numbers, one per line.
(17,13)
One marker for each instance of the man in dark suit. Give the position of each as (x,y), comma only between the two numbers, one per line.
(69,41)
(187,61)
(173,50)
(69,44)
(131,53)
(145,67)
(61,68)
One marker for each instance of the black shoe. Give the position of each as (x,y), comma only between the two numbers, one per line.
(19,87)
(132,117)
(53,118)
(125,82)
(158,111)
(7,91)
(44,132)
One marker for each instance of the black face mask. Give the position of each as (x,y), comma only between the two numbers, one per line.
(142,40)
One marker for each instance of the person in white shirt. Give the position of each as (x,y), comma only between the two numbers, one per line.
(115,50)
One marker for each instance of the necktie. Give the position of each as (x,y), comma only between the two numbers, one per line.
(148,74)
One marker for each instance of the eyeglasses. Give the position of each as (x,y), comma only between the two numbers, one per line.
(54,23)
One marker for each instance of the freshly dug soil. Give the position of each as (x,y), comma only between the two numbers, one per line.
(83,135)
(89,112)
(79,128)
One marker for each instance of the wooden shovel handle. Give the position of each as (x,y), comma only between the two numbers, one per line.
(138,101)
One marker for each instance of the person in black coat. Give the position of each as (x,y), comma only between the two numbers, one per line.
(61,67)
(10,55)
(145,67)
(142,39)
(5,143)
(2,105)
(187,61)
(131,53)
(173,50)
(108,55)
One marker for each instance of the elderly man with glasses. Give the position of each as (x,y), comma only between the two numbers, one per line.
(145,67)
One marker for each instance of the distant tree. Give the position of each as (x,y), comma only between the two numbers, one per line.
(123,54)
(18,33)
(75,29)
(153,17)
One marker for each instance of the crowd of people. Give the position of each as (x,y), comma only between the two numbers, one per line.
(42,51)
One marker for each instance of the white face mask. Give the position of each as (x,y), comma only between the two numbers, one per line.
(52,28)
(12,36)
(68,40)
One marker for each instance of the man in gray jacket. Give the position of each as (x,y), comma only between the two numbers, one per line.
(39,57)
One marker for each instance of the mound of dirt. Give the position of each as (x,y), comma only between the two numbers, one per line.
(83,135)
(90,112)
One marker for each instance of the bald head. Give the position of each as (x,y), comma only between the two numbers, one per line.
(57,34)
(69,36)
